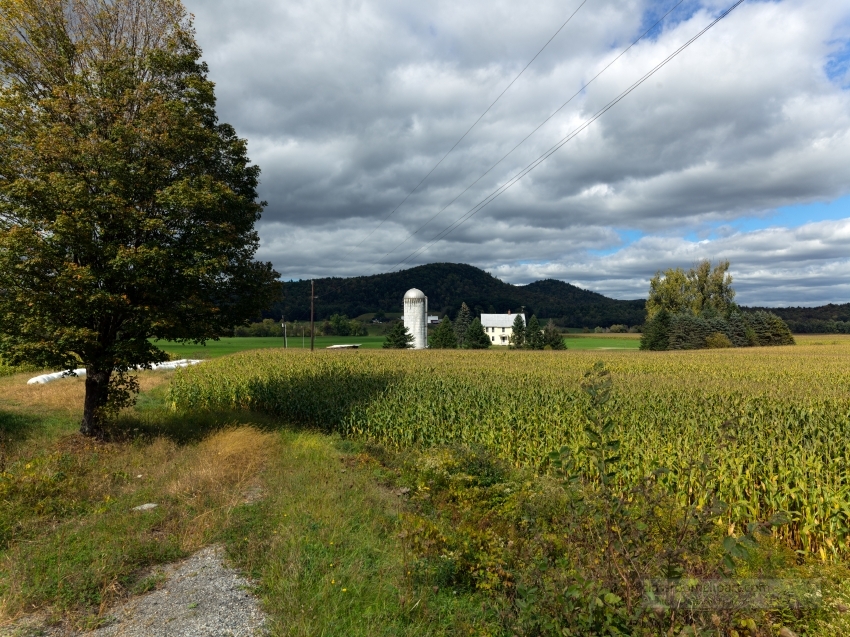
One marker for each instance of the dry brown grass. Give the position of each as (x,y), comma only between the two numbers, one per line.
(195,485)
(217,475)
(62,396)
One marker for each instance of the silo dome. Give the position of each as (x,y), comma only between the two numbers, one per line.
(413,293)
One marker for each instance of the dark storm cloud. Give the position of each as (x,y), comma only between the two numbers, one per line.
(347,105)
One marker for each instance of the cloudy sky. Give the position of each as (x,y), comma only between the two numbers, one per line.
(737,149)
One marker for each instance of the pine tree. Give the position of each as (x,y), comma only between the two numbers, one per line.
(476,338)
(780,333)
(656,332)
(444,336)
(533,334)
(398,337)
(462,322)
(552,337)
(740,332)
(518,333)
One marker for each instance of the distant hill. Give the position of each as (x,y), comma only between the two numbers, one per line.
(826,319)
(829,312)
(447,285)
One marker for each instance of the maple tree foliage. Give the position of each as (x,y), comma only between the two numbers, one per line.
(127,210)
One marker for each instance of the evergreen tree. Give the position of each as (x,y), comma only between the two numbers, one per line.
(476,338)
(399,337)
(740,333)
(552,337)
(462,322)
(533,334)
(444,336)
(780,333)
(688,331)
(518,333)
(656,332)
(768,329)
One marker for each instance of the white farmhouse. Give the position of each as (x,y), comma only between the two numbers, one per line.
(499,327)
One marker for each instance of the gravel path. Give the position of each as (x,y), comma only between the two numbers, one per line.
(199,598)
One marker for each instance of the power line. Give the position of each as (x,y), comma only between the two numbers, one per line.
(539,126)
(564,140)
(462,137)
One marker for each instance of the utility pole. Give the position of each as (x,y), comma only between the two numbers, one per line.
(283,321)
(312,298)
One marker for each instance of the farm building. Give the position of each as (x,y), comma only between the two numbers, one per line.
(499,327)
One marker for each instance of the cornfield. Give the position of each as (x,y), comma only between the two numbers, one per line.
(787,410)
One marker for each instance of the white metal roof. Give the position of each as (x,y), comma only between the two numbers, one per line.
(500,320)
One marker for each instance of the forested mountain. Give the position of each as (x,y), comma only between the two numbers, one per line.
(826,319)
(447,285)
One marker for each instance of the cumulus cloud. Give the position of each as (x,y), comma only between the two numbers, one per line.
(348,104)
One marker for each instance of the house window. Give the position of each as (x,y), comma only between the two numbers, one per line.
(493,338)
(503,330)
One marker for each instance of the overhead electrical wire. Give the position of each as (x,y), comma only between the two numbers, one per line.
(537,128)
(564,140)
(462,137)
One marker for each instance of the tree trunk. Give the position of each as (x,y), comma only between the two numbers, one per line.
(97,391)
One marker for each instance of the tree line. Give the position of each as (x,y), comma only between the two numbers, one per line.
(467,332)
(697,310)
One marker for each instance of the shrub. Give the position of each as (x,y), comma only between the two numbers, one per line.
(717,341)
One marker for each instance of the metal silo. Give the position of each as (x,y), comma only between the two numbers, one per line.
(416,317)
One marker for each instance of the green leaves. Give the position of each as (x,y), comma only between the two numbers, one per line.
(399,337)
(126,210)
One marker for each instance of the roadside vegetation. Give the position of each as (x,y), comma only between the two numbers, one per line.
(356,532)
(786,408)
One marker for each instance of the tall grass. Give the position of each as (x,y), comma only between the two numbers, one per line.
(786,409)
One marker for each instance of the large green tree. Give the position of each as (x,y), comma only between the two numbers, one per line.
(533,334)
(444,336)
(462,323)
(475,337)
(127,210)
(702,289)
(552,337)
(518,332)
(399,337)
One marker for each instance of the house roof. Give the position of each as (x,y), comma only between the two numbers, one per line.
(500,320)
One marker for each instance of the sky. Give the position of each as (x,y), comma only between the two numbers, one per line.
(738,148)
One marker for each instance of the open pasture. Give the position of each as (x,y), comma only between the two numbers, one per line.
(231,345)
(774,423)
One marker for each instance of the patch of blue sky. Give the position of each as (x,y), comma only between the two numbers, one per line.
(796,216)
(785,217)
(657,9)
(837,66)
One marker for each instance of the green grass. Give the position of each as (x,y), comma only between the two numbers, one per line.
(225,346)
(334,550)
(603,342)
(325,546)
(322,539)
(231,345)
